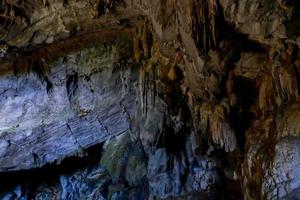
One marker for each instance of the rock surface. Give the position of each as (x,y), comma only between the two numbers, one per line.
(81,101)
(149,99)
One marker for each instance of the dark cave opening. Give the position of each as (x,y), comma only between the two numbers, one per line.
(240,115)
(50,173)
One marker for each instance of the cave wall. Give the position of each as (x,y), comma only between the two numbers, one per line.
(55,109)
(141,99)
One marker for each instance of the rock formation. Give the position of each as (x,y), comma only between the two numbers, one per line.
(149,99)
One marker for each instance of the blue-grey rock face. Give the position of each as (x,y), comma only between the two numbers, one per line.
(86,184)
(89,183)
(94,97)
(82,100)
(282,179)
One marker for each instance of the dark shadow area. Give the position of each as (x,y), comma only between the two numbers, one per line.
(240,115)
(241,41)
(50,173)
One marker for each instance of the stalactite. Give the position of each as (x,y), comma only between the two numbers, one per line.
(205,110)
(145,40)
(221,132)
(200,24)
(230,89)
(9,16)
(212,16)
(287,6)
(278,83)
(286,83)
(266,97)
(283,72)
(142,42)
(205,20)
(136,46)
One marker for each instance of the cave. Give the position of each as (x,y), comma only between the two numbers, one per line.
(149,99)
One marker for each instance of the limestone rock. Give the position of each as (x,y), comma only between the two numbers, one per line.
(149,99)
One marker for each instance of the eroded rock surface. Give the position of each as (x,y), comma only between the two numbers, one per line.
(79,102)
(150,99)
